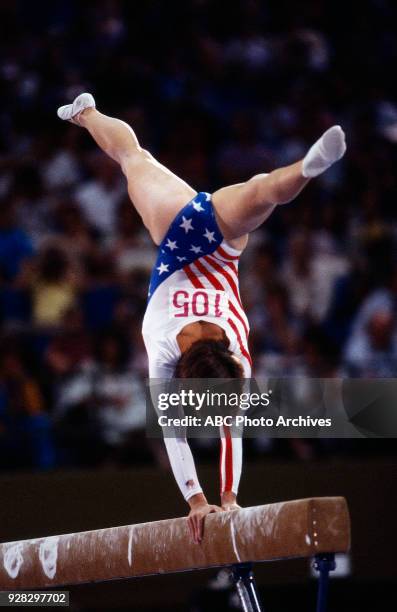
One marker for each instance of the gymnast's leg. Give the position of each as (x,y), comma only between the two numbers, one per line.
(157,193)
(242,208)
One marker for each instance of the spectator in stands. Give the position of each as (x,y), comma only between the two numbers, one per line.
(70,348)
(100,196)
(74,233)
(53,283)
(102,291)
(25,428)
(15,245)
(372,351)
(102,404)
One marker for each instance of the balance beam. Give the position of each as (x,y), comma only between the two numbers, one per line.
(301,528)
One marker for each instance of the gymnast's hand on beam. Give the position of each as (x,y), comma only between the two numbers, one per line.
(199,508)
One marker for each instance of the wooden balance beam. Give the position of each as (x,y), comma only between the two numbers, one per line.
(301,528)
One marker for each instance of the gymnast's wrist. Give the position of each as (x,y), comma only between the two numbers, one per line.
(228,497)
(198,499)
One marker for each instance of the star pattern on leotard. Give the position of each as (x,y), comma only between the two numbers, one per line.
(197,206)
(171,244)
(186,224)
(162,268)
(209,235)
(194,233)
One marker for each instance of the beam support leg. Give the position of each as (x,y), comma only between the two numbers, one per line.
(243,578)
(324,564)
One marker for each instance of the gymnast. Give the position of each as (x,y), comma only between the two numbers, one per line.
(195,325)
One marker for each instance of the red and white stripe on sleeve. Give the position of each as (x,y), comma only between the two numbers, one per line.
(230,461)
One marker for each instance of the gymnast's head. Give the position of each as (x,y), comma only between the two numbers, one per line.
(208,359)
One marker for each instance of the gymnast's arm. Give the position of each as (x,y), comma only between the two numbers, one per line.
(182,464)
(183,467)
(230,468)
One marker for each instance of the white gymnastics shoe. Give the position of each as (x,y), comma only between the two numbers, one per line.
(326,151)
(69,112)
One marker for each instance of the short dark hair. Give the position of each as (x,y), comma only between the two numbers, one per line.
(208,359)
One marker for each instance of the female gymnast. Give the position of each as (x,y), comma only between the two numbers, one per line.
(195,325)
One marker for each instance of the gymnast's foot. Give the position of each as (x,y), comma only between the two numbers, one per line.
(71,112)
(325,152)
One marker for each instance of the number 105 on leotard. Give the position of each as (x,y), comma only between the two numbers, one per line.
(184,302)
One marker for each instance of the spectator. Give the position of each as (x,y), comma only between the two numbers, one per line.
(15,245)
(71,347)
(74,233)
(99,197)
(102,291)
(53,285)
(102,404)
(25,428)
(372,351)
(310,271)
(32,204)
(122,400)
(131,248)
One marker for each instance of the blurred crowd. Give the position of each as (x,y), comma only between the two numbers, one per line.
(217,93)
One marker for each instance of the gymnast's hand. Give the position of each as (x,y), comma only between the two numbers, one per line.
(199,508)
(229,501)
